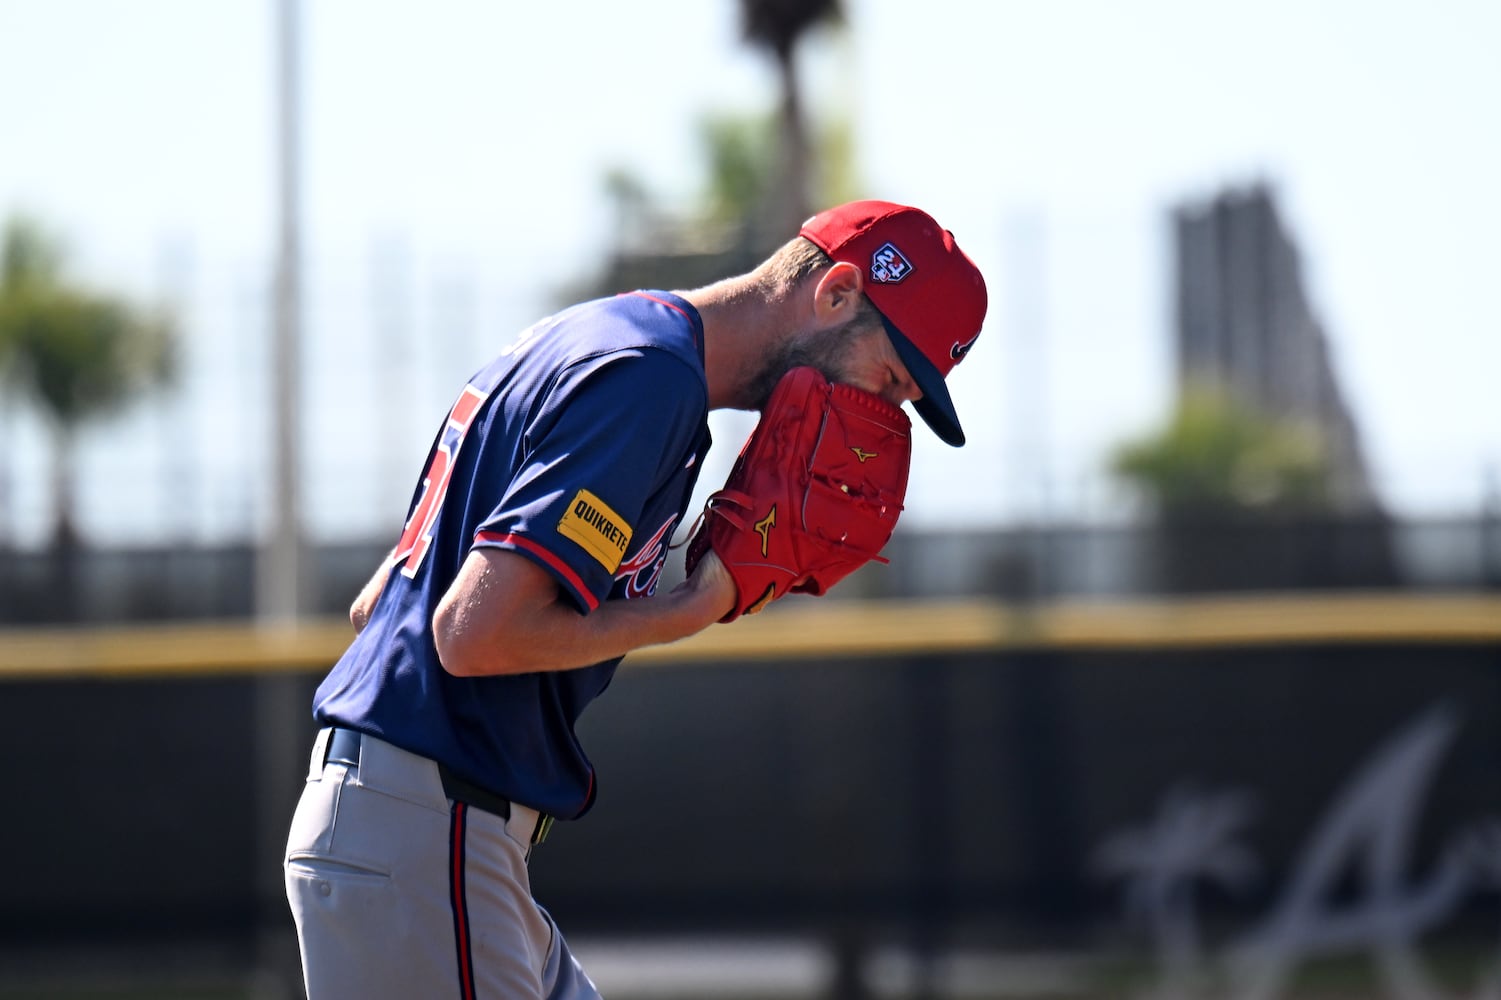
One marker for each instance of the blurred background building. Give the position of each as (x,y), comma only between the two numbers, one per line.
(1245,324)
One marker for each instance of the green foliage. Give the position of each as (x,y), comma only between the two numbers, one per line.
(741,154)
(762,171)
(29,257)
(77,353)
(1216,457)
(836,167)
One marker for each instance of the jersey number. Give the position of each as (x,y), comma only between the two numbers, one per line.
(417,536)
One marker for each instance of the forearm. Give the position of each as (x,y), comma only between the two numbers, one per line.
(499,623)
(559,638)
(618,627)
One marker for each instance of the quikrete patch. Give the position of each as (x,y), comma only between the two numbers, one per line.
(601,532)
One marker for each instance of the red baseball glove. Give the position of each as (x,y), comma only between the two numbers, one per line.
(813,496)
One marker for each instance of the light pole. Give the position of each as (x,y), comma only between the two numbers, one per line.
(278,591)
(278,699)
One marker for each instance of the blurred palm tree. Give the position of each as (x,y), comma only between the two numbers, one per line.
(727,231)
(777,26)
(762,178)
(77,354)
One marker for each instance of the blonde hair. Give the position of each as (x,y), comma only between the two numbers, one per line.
(795,260)
(800,257)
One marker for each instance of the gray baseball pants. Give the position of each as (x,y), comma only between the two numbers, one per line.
(399,892)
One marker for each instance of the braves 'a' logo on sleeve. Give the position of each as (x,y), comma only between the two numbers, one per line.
(642,570)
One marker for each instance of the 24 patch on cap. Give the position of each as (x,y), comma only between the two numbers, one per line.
(888,265)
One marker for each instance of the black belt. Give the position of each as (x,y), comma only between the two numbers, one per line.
(344,748)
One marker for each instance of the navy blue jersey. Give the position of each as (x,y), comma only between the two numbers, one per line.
(577,448)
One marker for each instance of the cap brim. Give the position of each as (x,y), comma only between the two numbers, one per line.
(936,406)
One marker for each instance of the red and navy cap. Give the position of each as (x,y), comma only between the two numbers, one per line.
(930,294)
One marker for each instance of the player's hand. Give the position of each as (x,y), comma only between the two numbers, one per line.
(711,582)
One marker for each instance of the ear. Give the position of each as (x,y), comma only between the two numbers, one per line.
(837,296)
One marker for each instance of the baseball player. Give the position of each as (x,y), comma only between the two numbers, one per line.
(526,570)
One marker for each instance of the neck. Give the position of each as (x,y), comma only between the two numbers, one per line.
(743,321)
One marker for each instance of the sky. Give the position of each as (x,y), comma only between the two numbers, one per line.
(461,144)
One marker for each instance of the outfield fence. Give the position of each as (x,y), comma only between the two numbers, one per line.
(932,775)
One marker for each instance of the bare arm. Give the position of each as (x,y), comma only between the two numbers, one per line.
(359,611)
(504,614)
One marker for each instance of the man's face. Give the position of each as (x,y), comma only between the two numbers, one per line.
(858,353)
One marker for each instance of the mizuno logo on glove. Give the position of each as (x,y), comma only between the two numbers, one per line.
(763,528)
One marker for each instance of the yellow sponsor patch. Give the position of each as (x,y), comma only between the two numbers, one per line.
(599,530)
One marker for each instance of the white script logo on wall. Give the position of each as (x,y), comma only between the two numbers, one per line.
(1350,891)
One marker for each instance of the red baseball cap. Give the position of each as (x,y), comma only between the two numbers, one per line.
(929,293)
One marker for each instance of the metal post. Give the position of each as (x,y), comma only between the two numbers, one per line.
(278,704)
(277,590)
(1026,244)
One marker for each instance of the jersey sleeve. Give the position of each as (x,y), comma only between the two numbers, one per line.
(599,444)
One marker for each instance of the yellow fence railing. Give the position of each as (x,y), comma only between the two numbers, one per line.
(808,628)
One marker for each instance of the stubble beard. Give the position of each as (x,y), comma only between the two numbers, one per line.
(826,352)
